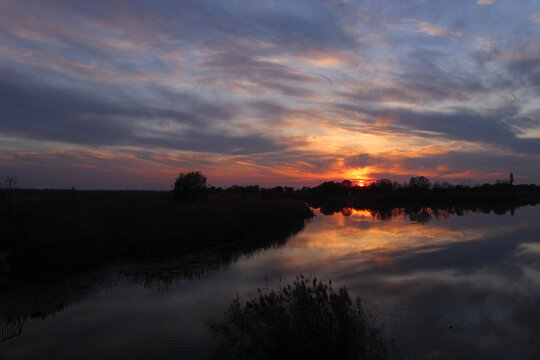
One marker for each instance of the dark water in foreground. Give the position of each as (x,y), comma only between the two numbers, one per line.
(444,286)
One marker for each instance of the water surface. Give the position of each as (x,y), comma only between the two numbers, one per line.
(443,286)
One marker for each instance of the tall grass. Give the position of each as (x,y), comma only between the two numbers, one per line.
(305,320)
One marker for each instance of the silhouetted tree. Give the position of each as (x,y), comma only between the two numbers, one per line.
(334,188)
(419,183)
(190,185)
(244,190)
(511,180)
(382,185)
(8,185)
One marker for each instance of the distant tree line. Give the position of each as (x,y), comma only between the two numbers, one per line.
(193,185)
(416,184)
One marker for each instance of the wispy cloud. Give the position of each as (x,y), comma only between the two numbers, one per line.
(535,18)
(485,2)
(430,29)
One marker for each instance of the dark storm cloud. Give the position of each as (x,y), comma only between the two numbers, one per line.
(79,117)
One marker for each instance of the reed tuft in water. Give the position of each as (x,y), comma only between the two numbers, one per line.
(305,320)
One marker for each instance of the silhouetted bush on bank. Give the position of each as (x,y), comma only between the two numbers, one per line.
(65,231)
(8,186)
(305,320)
(190,186)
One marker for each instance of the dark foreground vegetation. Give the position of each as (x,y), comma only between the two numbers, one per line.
(305,320)
(65,231)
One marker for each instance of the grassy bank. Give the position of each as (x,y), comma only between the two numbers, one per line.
(65,231)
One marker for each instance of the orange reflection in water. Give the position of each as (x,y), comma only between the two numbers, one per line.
(359,238)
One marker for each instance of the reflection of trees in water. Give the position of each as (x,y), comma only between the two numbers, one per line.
(419,214)
(11,325)
(160,275)
(385,214)
(22,299)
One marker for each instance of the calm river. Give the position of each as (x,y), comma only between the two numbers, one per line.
(444,286)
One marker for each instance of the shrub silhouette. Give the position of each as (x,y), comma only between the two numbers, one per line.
(419,184)
(382,185)
(8,185)
(189,186)
(305,320)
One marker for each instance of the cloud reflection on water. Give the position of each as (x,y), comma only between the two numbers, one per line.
(455,287)
(463,287)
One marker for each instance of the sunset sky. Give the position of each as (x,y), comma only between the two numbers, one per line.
(125,94)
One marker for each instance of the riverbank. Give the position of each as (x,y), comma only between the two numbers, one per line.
(66,231)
